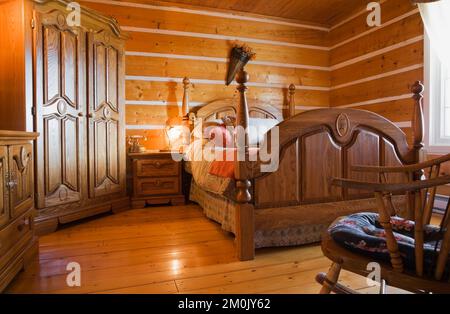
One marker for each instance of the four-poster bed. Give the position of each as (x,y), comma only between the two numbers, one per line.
(295,204)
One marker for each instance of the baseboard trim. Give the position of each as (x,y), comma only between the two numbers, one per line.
(45,225)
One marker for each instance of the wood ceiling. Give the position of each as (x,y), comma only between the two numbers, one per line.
(326,12)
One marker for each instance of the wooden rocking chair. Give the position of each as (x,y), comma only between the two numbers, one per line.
(426,268)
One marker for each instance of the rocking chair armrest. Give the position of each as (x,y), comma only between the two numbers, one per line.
(390,187)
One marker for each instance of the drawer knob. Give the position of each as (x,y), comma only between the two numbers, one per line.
(158,183)
(157,164)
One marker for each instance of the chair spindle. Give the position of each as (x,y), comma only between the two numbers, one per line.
(418,232)
(391,242)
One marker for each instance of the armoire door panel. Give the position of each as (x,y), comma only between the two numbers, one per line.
(4,181)
(101,163)
(52,62)
(113,78)
(60,112)
(113,151)
(70,135)
(100,76)
(53,157)
(70,67)
(104,117)
(21,175)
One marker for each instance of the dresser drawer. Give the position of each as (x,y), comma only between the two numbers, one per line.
(157,168)
(14,237)
(157,186)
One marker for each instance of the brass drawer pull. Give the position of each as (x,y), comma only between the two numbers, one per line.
(158,183)
(12,184)
(158,164)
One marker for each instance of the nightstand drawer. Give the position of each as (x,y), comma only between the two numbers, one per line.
(157,168)
(157,186)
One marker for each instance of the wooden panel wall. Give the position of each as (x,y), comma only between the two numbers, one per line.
(168,43)
(349,65)
(373,68)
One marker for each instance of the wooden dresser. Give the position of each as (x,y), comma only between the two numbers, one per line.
(156,179)
(67,82)
(18,243)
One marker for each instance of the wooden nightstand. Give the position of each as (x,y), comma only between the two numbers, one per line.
(157,179)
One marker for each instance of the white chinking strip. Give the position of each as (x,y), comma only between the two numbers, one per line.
(377,52)
(224,60)
(160,103)
(196,104)
(174,56)
(379,76)
(219,82)
(279,64)
(363,11)
(374,29)
(208,13)
(308,107)
(376,101)
(145,126)
(285,65)
(220,37)
(303,107)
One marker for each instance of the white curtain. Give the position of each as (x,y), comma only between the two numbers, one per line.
(436,17)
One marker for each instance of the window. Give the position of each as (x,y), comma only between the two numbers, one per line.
(437,102)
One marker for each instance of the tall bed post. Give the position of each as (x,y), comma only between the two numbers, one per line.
(245,220)
(417,123)
(185,105)
(417,126)
(291,100)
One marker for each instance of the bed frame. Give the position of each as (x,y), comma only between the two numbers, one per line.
(314,146)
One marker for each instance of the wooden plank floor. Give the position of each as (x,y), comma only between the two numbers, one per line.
(168,250)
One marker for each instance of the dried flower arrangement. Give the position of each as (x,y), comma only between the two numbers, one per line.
(240,55)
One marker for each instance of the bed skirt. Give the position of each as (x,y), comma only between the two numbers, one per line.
(215,207)
(284,226)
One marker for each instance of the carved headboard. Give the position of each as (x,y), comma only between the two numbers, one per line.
(228,107)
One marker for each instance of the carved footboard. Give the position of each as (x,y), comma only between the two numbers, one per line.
(320,144)
(316,146)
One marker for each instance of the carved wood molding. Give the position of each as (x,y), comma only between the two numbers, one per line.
(110,21)
(216,107)
(23,159)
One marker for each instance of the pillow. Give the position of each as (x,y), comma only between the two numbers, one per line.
(258,128)
(219,135)
(214,131)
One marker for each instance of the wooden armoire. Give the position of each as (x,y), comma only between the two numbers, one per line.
(63,76)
